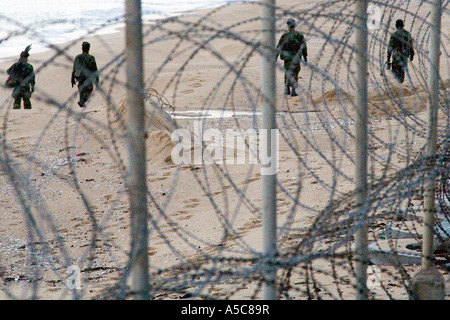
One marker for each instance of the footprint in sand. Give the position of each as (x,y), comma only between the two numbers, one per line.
(252,224)
(157,179)
(187,217)
(221,191)
(198,84)
(250,180)
(183,215)
(283,202)
(192,203)
(152,251)
(159,243)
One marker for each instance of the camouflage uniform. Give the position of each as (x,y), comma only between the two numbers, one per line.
(24,79)
(86,73)
(291,47)
(400,48)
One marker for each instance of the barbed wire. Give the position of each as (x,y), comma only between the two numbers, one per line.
(56,215)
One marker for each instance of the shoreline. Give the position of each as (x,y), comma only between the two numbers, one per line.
(116,27)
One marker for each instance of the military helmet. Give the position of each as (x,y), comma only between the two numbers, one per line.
(291,23)
(85,46)
(399,23)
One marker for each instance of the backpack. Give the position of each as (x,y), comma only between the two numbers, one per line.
(84,66)
(401,44)
(16,76)
(290,46)
(11,82)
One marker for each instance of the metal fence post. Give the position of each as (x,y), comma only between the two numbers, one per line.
(428,283)
(433,86)
(269,219)
(361,246)
(136,183)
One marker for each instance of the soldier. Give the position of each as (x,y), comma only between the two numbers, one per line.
(22,79)
(86,73)
(400,48)
(291,47)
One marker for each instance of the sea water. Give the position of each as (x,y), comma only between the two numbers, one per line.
(46,22)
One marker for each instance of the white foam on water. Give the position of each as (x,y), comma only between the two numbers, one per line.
(210,114)
(44,22)
(217,114)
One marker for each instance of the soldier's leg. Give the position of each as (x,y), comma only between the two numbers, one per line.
(287,89)
(26,99)
(82,93)
(88,92)
(287,66)
(17,97)
(294,83)
(85,93)
(16,104)
(402,73)
(398,71)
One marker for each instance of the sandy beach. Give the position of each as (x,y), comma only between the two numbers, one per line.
(63,196)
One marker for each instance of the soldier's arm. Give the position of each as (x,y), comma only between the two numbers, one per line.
(75,63)
(389,49)
(75,66)
(72,78)
(31,76)
(411,48)
(304,49)
(281,41)
(280,44)
(94,63)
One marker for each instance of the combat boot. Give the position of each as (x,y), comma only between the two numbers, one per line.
(294,86)
(287,91)
(27,104)
(16,104)
(293,93)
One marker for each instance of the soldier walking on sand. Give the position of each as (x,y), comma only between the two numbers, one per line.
(291,47)
(22,79)
(86,73)
(400,48)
